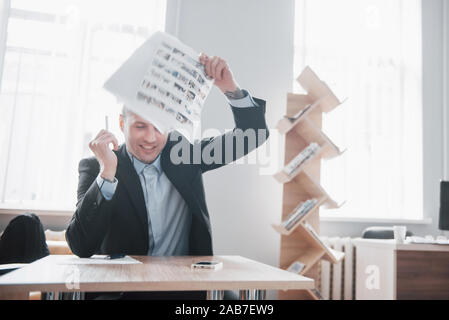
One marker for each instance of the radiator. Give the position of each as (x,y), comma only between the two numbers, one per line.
(337,281)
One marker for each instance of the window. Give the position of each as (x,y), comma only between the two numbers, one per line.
(57,55)
(370,52)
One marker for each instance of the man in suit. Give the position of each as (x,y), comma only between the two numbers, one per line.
(146,197)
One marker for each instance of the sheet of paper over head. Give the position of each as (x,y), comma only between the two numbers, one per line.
(164,83)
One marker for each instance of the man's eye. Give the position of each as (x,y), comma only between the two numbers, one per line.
(140,127)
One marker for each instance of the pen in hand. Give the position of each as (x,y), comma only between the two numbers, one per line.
(106,123)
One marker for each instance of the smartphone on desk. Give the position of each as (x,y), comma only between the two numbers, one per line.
(212,265)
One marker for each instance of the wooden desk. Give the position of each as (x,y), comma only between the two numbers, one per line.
(389,271)
(154,274)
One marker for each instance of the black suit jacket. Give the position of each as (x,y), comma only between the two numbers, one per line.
(120,225)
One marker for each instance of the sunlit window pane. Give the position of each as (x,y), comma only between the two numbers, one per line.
(58,55)
(370,52)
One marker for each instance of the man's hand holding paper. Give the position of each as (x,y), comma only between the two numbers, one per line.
(218,69)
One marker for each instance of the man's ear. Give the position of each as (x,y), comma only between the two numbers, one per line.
(122,123)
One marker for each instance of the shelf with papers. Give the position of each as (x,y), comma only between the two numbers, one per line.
(315,294)
(309,258)
(310,133)
(284,231)
(288,122)
(326,151)
(289,172)
(315,247)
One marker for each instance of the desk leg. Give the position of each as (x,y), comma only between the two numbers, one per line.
(53,295)
(260,294)
(244,294)
(78,296)
(215,295)
(257,294)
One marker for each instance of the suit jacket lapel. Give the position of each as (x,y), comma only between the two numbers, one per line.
(127,174)
(183,177)
(180,175)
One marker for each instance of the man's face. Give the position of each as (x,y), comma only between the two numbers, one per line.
(143,140)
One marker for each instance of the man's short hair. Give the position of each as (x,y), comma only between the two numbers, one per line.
(125,111)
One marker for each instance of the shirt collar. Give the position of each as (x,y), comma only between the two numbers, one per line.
(139,165)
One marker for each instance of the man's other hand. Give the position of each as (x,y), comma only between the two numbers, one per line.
(218,69)
(103,153)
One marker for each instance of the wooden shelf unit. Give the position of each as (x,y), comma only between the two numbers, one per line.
(301,242)
(318,90)
(305,181)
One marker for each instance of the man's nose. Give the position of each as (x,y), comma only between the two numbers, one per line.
(150,135)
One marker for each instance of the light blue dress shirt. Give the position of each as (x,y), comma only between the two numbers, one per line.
(169,219)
